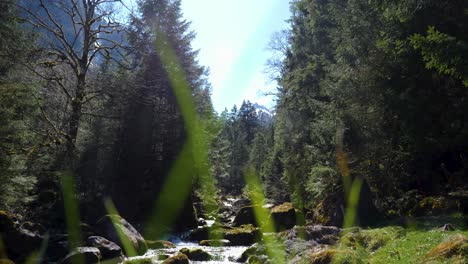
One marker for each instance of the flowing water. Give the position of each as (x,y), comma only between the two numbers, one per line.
(221,254)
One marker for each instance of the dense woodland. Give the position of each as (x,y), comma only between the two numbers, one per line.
(369,92)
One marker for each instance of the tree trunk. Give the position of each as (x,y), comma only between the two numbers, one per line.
(74,124)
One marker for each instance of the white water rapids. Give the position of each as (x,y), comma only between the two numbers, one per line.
(222,255)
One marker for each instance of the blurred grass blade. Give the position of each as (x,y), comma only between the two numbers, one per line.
(127,244)
(71,214)
(274,249)
(350,217)
(172,197)
(193,159)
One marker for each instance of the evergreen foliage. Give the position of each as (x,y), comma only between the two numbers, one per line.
(368,91)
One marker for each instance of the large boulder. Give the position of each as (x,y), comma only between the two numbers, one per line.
(215,243)
(321,234)
(245,235)
(245,216)
(196,254)
(19,242)
(82,255)
(109,250)
(178,258)
(283,216)
(199,233)
(108,225)
(157,244)
(254,250)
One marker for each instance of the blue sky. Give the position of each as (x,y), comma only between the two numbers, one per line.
(232,36)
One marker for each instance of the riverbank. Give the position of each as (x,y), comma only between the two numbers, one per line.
(234,233)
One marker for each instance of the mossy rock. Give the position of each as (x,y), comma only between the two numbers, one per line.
(196,254)
(318,233)
(178,258)
(246,216)
(215,243)
(254,250)
(157,244)
(199,233)
(107,226)
(6,261)
(283,216)
(109,250)
(244,235)
(455,248)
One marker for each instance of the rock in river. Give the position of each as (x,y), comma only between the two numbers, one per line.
(178,258)
(83,255)
(107,225)
(196,254)
(243,236)
(283,216)
(109,250)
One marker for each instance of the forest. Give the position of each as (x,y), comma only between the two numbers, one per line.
(111,150)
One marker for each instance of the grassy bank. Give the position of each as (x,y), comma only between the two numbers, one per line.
(421,241)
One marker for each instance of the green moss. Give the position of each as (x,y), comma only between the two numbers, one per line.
(242,229)
(282,208)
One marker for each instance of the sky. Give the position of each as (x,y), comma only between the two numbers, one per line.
(232,38)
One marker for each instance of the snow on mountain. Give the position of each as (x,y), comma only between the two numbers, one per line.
(263,109)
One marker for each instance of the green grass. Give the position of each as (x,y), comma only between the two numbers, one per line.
(393,244)
(413,247)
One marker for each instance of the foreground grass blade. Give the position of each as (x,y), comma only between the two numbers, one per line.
(193,159)
(274,249)
(71,214)
(127,244)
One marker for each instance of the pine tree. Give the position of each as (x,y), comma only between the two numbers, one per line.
(18,113)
